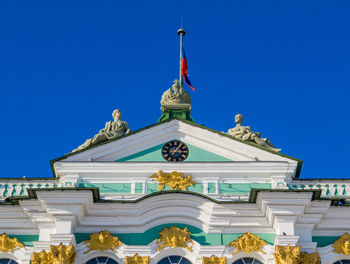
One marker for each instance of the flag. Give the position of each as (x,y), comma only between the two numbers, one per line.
(184,70)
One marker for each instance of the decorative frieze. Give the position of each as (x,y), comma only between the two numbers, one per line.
(248,243)
(342,245)
(175,180)
(174,237)
(137,259)
(8,244)
(102,241)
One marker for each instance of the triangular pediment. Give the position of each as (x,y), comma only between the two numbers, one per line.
(144,145)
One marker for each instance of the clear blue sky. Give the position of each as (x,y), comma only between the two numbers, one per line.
(65,65)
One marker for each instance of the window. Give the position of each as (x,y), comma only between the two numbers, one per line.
(7,261)
(100,260)
(344,261)
(174,260)
(247,261)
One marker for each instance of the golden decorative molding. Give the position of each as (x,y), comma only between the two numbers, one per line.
(292,255)
(60,254)
(248,243)
(8,244)
(137,259)
(174,237)
(342,245)
(175,180)
(213,260)
(102,241)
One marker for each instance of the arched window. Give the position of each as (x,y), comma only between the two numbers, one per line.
(344,261)
(7,261)
(174,260)
(100,260)
(247,261)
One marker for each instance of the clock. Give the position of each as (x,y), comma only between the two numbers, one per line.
(175,151)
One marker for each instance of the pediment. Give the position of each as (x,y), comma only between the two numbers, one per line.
(143,145)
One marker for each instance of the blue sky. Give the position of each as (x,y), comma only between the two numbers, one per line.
(66,65)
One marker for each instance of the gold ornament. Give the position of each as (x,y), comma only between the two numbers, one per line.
(313,258)
(8,244)
(287,255)
(213,260)
(60,254)
(174,237)
(42,258)
(175,180)
(248,243)
(137,259)
(102,241)
(342,245)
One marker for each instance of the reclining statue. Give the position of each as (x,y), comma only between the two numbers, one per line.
(111,130)
(245,133)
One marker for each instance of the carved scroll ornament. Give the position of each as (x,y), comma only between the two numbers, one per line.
(60,254)
(137,259)
(8,244)
(292,255)
(102,241)
(174,237)
(248,243)
(342,245)
(213,260)
(175,180)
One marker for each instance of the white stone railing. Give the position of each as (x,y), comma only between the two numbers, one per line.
(9,188)
(330,189)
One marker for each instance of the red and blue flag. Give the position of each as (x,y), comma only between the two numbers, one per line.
(184,68)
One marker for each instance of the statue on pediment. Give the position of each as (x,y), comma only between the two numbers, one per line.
(175,98)
(247,134)
(111,130)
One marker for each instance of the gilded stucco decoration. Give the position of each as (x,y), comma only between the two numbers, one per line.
(102,241)
(137,259)
(247,134)
(175,180)
(249,243)
(8,244)
(174,237)
(213,260)
(112,129)
(342,245)
(60,254)
(292,255)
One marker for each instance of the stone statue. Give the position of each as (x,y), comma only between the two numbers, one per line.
(175,97)
(111,130)
(247,134)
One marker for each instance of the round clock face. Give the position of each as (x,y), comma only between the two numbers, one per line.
(175,150)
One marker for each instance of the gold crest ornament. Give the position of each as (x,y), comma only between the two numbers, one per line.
(248,243)
(102,241)
(60,254)
(8,244)
(293,255)
(42,258)
(174,237)
(175,180)
(287,255)
(342,245)
(213,260)
(137,259)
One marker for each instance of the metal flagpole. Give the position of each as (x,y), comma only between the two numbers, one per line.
(181,32)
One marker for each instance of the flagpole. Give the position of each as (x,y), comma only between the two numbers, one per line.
(181,32)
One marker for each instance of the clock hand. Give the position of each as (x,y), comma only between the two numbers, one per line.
(174,151)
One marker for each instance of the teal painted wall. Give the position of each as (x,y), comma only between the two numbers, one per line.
(323,241)
(111,187)
(27,240)
(196,234)
(154,154)
(237,188)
